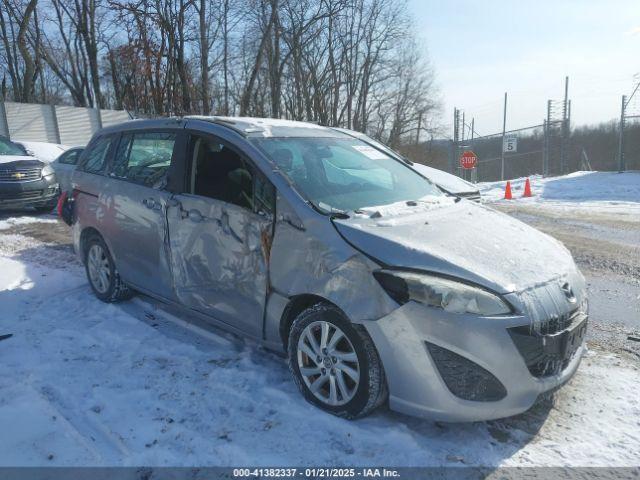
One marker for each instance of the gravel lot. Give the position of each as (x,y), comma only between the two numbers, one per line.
(606,247)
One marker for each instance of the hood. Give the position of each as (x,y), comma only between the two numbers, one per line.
(4,159)
(463,240)
(449,182)
(46,152)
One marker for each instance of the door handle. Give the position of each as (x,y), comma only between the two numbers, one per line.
(150,203)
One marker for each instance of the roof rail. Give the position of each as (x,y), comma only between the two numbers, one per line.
(243,129)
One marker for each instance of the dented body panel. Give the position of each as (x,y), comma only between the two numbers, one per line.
(219,260)
(242,268)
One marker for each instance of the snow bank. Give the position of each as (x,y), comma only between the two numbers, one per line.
(608,191)
(86,383)
(13,221)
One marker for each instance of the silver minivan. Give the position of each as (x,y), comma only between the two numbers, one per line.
(378,286)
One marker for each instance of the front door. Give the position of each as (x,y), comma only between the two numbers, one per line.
(220,231)
(137,192)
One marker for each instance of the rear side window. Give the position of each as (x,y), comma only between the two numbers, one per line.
(96,155)
(69,158)
(144,158)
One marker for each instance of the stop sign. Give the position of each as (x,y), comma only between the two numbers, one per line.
(468,159)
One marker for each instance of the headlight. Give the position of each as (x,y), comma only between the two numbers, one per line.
(451,296)
(47,170)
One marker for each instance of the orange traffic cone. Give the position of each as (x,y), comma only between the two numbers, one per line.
(507,191)
(527,189)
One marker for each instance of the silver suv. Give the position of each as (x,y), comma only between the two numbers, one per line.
(377,285)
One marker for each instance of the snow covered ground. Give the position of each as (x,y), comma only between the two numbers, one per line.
(585,191)
(84,383)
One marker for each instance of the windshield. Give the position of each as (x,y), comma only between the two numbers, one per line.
(345,174)
(9,148)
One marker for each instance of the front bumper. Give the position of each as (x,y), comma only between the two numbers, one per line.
(35,193)
(416,387)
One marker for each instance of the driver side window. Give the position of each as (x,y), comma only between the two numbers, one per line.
(219,172)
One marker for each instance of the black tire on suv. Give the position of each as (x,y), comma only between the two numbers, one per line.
(102,274)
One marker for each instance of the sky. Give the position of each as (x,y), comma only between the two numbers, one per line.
(484,48)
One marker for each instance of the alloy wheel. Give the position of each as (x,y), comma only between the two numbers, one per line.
(328,363)
(99,269)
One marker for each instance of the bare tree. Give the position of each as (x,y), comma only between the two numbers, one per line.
(349,63)
(248,89)
(16,20)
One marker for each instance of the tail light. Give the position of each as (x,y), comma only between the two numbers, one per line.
(61,200)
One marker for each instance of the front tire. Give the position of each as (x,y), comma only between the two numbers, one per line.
(102,274)
(335,363)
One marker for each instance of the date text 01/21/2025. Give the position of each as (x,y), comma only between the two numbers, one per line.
(315,472)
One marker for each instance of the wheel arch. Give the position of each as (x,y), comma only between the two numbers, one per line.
(296,305)
(86,234)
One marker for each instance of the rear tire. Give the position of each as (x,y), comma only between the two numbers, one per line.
(335,363)
(102,274)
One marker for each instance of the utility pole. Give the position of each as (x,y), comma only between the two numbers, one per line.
(567,143)
(621,163)
(565,128)
(474,172)
(545,135)
(547,138)
(504,129)
(464,127)
(454,144)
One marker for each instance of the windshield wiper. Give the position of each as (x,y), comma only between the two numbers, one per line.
(332,211)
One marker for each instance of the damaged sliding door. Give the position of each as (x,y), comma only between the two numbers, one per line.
(220,235)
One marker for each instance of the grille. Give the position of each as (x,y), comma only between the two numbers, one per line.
(20,174)
(557,323)
(464,378)
(21,195)
(547,354)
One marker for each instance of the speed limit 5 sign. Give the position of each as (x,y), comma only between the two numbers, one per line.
(510,145)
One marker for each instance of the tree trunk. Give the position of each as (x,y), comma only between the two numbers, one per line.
(204,58)
(246,96)
(28,79)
